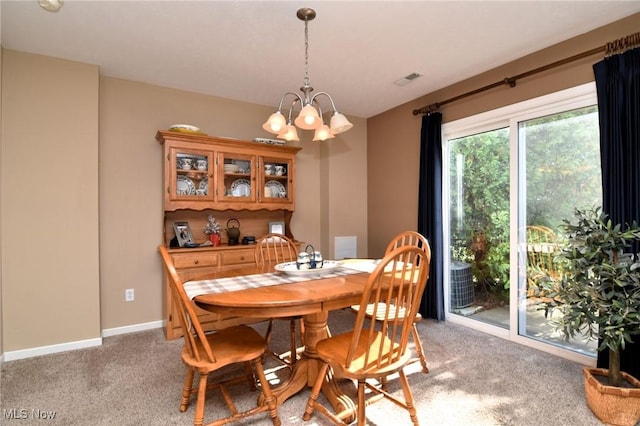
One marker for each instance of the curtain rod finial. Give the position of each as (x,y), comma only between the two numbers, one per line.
(427,109)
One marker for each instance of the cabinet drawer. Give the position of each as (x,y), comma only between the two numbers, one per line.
(237,257)
(195,260)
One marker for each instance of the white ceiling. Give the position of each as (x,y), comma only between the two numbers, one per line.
(254,50)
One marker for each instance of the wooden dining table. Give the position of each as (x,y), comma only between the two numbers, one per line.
(313,299)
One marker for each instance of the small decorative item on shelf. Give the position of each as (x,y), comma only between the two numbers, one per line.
(233,232)
(249,239)
(186,128)
(309,260)
(212,228)
(269,141)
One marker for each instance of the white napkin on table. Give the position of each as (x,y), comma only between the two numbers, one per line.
(362,265)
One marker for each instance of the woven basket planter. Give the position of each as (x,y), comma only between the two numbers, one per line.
(612,405)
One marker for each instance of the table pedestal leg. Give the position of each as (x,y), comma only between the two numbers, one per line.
(305,370)
(296,381)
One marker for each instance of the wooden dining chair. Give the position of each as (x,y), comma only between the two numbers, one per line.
(270,250)
(380,313)
(371,351)
(543,273)
(205,353)
(542,246)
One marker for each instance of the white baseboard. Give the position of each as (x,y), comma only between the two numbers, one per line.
(108,332)
(63,347)
(51,349)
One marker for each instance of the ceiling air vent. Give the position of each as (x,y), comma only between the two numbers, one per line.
(407,79)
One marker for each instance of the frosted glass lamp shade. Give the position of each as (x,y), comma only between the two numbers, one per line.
(275,123)
(308,119)
(323,133)
(289,134)
(51,5)
(339,123)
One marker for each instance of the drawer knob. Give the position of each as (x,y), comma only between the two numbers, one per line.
(196,261)
(241,257)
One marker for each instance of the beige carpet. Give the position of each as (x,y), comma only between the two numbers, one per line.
(136,379)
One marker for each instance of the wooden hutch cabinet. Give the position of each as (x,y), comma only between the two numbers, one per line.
(235,181)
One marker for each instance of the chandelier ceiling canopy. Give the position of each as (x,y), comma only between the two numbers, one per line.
(310,116)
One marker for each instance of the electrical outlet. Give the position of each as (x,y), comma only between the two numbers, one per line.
(129,295)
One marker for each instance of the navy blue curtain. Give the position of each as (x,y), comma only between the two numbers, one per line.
(618,87)
(430,211)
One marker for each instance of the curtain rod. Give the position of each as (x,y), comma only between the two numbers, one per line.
(614,47)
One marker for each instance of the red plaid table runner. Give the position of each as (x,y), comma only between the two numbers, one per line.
(220,285)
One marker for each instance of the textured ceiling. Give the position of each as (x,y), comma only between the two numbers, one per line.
(254,51)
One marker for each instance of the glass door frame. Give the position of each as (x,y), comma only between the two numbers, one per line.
(508,116)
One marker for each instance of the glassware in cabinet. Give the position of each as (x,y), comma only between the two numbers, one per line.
(276,180)
(191,172)
(236,177)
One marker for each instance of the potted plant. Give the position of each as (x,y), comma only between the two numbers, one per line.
(212,229)
(598,296)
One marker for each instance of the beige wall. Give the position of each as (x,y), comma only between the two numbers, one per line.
(344,170)
(1,345)
(130,196)
(131,185)
(393,137)
(49,205)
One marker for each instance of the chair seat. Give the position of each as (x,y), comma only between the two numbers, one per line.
(380,312)
(334,350)
(234,344)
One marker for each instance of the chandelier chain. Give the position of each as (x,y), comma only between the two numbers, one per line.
(306,52)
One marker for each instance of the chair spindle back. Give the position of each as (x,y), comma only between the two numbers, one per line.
(272,249)
(397,284)
(407,238)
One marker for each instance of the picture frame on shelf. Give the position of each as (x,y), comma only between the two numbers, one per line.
(276,228)
(183,233)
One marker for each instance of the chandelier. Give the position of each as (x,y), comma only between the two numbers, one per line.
(51,5)
(310,116)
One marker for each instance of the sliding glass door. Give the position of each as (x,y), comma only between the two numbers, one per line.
(511,177)
(559,170)
(479,226)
